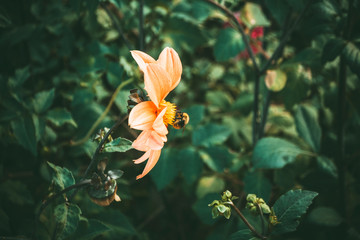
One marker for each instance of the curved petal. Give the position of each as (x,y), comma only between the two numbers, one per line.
(141,140)
(143,158)
(141,59)
(153,159)
(170,61)
(158,124)
(142,116)
(157,82)
(155,141)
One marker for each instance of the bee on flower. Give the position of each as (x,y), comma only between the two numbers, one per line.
(153,117)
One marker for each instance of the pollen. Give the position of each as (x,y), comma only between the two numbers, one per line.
(170,113)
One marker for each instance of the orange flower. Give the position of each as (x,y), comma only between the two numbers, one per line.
(153,117)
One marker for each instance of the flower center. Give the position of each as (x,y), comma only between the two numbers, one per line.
(170,112)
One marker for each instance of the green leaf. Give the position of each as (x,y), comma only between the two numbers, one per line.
(219,99)
(244,234)
(16,192)
(352,56)
(332,49)
(117,222)
(165,169)
(209,184)
(189,161)
(62,177)
(217,158)
(243,103)
(4,222)
(67,216)
(306,120)
(21,75)
(273,152)
(327,165)
(256,183)
(289,208)
(228,44)
(210,134)
(118,145)
(203,211)
(325,216)
(24,131)
(43,100)
(278,9)
(275,80)
(60,116)
(90,229)
(253,16)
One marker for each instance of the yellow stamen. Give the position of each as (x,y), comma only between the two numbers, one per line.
(170,112)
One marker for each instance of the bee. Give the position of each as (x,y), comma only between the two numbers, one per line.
(181,119)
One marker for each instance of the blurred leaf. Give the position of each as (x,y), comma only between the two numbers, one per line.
(165,169)
(256,183)
(24,131)
(16,192)
(273,152)
(228,44)
(275,80)
(217,158)
(196,113)
(203,211)
(244,234)
(90,229)
(21,75)
(244,103)
(61,177)
(189,161)
(67,216)
(253,16)
(325,216)
(327,165)
(60,116)
(209,184)
(43,100)
(4,222)
(306,120)
(210,134)
(118,145)
(219,99)
(279,10)
(289,208)
(352,56)
(117,222)
(332,49)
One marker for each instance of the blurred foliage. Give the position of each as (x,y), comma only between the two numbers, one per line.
(61,69)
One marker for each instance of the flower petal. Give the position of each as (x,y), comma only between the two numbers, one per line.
(140,141)
(153,159)
(143,158)
(142,116)
(141,59)
(155,141)
(170,61)
(157,82)
(158,124)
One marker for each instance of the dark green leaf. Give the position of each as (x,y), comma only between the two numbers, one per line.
(21,75)
(43,100)
(278,9)
(256,183)
(16,192)
(217,158)
(24,131)
(189,161)
(118,145)
(306,120)
(67,216)
(352,56)
(4,222)
(117,222)
(210,134)
(327,165)
(60,116)
(325,216)
(244,234)
(90,229)
(202,209)
(62,177)
(289,208)
(273,152)
(332,49)
(228,45)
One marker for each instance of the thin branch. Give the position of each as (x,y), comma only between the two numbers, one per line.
(117,25)
(256,113)
(252,229)
(265,113)
(103,115)
(240,29)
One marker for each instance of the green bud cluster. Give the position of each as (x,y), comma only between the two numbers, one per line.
(222,207)
(101,134)
(254,203)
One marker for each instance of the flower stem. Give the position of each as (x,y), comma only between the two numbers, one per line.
(252,229)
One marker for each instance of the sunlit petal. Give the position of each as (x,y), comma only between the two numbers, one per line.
(155,141)
(143,157)
(141,140)
(153,159)
(142,59)
(157,82)
(170,61)
(158,124)
(142,116)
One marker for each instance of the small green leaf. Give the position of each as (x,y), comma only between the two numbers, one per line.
(289,208)
(24,131)
(352,56)
(228,45)
(62,177)
(118,145)
(327,165)
(273,152)
(217,158)
(332,49)
(244,234)
(325,216)
(43,100)
(67,216)
(306,120)
(210,134)
(60,116)
(256,183)
(21,75)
